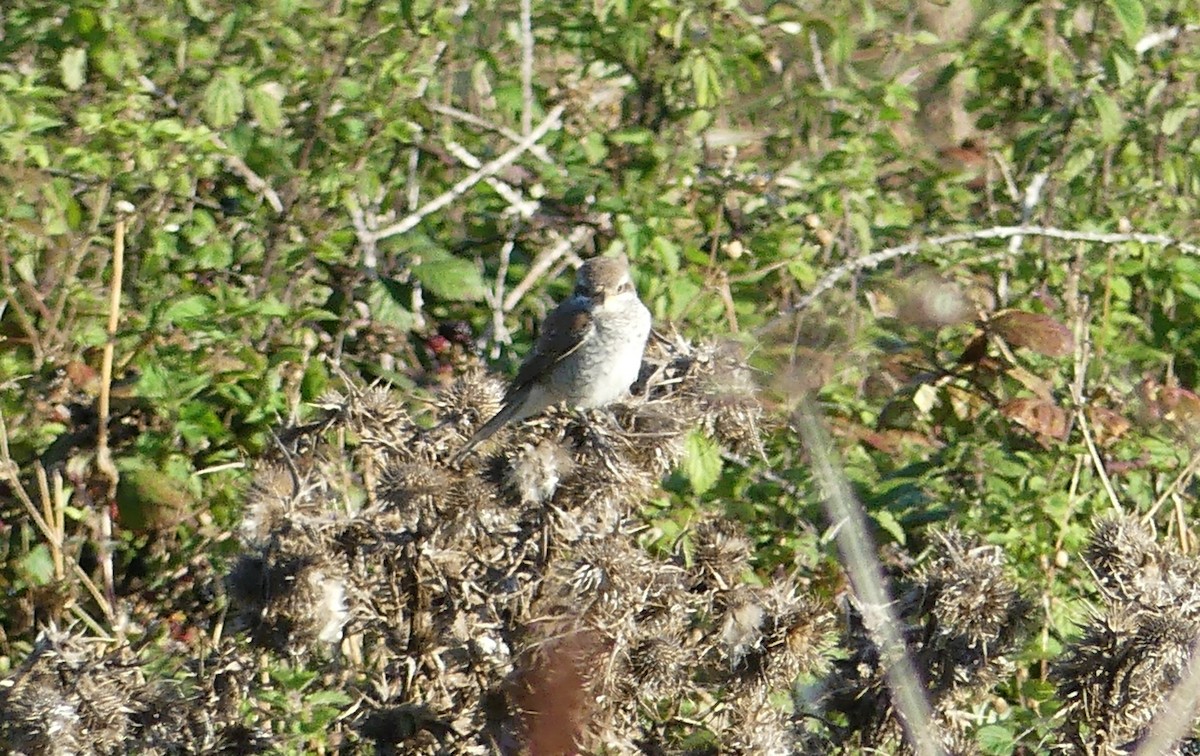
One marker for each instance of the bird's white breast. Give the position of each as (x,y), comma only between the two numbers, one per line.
(602,370)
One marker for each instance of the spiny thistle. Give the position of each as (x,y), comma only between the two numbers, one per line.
(961,615)
(76,695)
(1137,645)
(498,605)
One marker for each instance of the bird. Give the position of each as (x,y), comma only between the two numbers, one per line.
(587,354)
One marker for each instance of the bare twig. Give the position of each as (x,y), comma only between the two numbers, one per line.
(254,182)
(500,334)
(518,204)
(1033,195)
(1082,357)
(537,150)
(104,462)
(413,193)
(410,221)
(50,519)
(866,576)
(876,259)
(1170,34)
(818,62)
(546,260)
(526,66)
(364,229)
(1174,718)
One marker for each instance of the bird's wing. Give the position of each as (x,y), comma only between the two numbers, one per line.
(566,329)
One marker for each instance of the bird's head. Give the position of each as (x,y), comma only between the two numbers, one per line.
(605,281)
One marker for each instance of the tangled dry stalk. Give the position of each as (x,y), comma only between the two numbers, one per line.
(511,605)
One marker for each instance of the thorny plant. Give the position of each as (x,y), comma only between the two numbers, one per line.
(508,606)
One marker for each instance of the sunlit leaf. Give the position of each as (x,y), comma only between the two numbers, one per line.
(1038,416)
(224,100)
(1132,17)
(450,277)
(37,565)
(701,461)
(73,65)
(1039,333)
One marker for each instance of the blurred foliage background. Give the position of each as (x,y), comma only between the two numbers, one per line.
(257,153)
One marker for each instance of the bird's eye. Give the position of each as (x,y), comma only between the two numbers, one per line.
(625,287)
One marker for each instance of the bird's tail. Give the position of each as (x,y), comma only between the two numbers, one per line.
(506,413)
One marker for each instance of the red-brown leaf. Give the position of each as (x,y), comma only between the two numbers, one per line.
(1039,333)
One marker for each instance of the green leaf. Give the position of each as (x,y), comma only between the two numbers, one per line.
(187,308)
(264,104)
(996,740)
(701,461)
(594,149)
(198,11)
(1111,119)
(383,297)
(1132,17)
(327,698)
(890,525)
(1175,118)
(37,565)
(224,100)
(74,68)
(449,277)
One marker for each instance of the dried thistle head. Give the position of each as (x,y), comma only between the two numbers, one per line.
(534,471)
(757,726)
(712,383)
(1136,646)
(973,603)
(373,414)
(655,432)
(959,615)
(292,592)
(417,489)
(469,401)
(72,695)
(721,553)
(658,666)
(268,501)
(772,634)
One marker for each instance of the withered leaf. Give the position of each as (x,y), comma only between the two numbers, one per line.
(1038,416)
(1108,425)
(1039,333)
(1181,408)
(975,350)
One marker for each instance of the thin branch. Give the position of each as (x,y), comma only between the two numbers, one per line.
(1029,201)
(500,333)
(1175,487)
(546,260)
(866,577)
(410,221)
(1170,34)
(526,66)
(518,204)
(1082,357)
(876,259)
(537,150)
(52,525)
(104,462)
(413,191)
(818,62)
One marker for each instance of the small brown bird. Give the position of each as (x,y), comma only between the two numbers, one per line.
(588,353)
